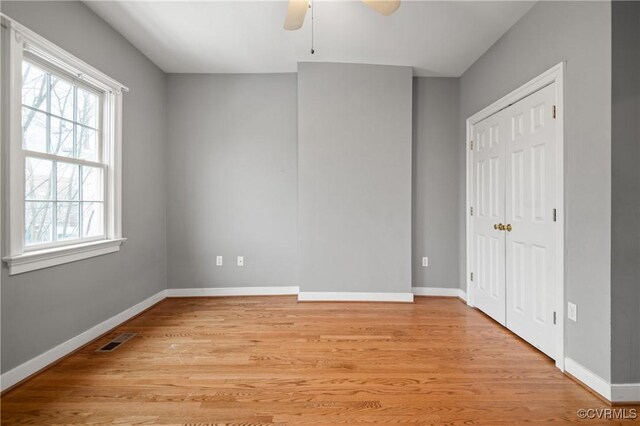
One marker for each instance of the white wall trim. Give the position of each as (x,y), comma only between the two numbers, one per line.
(231,291)
(344,296)
(317,296)
(440,292)
(625,392)
(42,361)
(614,392)
(61,57)
(588,377)
(553,75)
(30,261)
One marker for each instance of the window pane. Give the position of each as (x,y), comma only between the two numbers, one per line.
(87,112)
(92,188)
(37,183)
(37,222)
(67,221)
(92,219)
(61,137)
(87,143)
(68,181)
(61,98)
(34,130)
(34,86)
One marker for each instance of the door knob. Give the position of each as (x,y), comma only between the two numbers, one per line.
(508,228)
(499,227)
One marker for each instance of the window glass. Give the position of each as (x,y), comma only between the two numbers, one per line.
(64,186)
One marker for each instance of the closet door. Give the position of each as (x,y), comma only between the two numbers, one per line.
(488,159)
(530,195)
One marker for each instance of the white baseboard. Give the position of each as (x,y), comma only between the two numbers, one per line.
(617,393)
(316,296)
(625,392)
(230,291)
(38,363)
(344,296)
(588,377)
(439,291)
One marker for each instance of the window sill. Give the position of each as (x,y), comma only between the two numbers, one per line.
(40,259)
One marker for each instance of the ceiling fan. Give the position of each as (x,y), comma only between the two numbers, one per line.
(298,9)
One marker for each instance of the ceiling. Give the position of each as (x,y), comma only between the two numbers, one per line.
(436,38)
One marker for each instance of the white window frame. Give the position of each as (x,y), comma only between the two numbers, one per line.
(21,258)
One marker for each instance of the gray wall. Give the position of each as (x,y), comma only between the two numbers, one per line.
(435,231)
(625,193)
(256,195)
(579,33)
(44,308)
(354,187)
(232,176)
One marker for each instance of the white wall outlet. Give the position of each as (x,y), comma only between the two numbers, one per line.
(425,261)
(572,311)
(240,260)
(218,260)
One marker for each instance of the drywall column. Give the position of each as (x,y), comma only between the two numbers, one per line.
(625,193)
(354,181)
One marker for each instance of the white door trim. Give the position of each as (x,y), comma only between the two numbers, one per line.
(553,75)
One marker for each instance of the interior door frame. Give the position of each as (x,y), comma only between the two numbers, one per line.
(553,75)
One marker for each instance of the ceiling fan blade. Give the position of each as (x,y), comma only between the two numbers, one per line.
(385,7)
(295,14)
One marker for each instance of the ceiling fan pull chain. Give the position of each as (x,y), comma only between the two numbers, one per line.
(311,7)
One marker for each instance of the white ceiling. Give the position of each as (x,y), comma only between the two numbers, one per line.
(436,38)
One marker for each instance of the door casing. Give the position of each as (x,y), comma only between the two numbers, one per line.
(553,75)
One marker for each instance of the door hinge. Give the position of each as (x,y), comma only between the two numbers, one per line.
(471,145)
(555,215)
(472,276)
(471,211)
(554,317)
(553,111)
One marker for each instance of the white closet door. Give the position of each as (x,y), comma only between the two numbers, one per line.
(530,195)
(488,159)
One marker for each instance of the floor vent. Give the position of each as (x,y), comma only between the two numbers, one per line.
(115,343)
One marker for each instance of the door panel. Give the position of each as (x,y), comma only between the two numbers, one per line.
(530,194)
(517,187)
(489,172)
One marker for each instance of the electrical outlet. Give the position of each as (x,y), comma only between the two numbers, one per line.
(425,261)
(240,260)
(572,311)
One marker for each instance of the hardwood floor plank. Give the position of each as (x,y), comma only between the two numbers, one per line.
(273,361)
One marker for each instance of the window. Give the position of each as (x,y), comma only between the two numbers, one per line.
(64,156)
(64,190)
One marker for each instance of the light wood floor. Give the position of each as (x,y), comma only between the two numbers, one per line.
(271,360)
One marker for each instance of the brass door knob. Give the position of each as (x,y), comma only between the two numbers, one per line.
(499,227)
(508,228)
